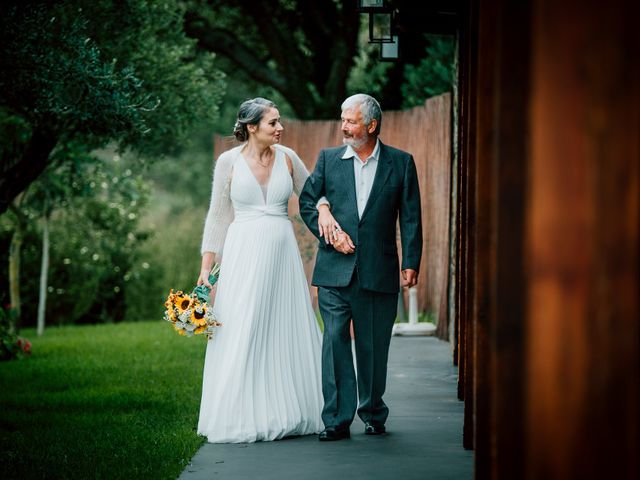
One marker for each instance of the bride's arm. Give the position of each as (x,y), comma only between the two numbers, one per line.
(219,217)
(208,260)
(326,223)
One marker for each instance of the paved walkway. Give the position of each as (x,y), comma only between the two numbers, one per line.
(424,439)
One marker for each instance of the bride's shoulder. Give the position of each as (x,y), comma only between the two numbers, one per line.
(289,153)
(286,150)
(290,156)
(228,157)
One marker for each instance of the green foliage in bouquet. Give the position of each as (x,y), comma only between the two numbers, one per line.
(201,291)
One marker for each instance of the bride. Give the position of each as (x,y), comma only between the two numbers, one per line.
(261,376)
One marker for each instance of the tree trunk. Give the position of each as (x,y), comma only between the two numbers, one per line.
(15,249)
(14,277)
(23,171)
(44,271)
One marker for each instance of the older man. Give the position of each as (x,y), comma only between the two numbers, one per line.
(369,186)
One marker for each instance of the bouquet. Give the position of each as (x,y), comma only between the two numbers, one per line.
(191,313)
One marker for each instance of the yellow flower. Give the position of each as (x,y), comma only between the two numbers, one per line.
(170,298)
(189,315)
(197,316)
(182,302)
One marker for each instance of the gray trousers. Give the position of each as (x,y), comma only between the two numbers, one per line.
(373,315)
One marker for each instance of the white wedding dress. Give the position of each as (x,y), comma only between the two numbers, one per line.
(262,368)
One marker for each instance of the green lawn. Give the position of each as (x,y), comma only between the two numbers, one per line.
(104,401)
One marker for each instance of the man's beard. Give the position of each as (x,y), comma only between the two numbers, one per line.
(355,143)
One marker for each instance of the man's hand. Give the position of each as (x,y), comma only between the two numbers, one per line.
(409,278)
(342,242)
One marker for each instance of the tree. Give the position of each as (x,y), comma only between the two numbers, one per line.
(304,49)
(55,186)
(95,236)
(92,72)
(433,75)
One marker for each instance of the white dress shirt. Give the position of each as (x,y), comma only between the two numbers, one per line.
(364,173)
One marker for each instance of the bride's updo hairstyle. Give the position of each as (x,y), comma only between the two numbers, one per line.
(250,113)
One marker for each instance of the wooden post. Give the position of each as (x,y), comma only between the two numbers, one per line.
(501,162)
(582,396)
(467,224)
(483,259)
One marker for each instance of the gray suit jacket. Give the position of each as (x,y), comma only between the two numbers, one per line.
(394,195)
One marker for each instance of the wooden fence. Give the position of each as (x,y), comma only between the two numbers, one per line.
(423,131)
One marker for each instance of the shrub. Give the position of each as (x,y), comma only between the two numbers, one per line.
(11,345)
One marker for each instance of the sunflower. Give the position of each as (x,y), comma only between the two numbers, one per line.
(198,316)
(189,314)
(182,302)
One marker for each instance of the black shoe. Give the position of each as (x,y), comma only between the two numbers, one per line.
(331,434)
(374,429)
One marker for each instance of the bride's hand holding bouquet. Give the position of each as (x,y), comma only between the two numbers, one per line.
(192,314)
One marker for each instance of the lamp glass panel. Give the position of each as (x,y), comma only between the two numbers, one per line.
(380,28)
(390,50)
(371,3)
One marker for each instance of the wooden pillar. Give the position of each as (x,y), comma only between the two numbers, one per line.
(582,394)
(466,216)
(484,230)
(502,118)
(510,175)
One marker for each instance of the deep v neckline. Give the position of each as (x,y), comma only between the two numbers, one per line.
(257,183)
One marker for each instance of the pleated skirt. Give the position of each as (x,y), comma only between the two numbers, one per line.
(261,376)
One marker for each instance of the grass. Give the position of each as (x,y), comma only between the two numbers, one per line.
(103,401)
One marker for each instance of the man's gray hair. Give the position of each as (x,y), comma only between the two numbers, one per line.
(369,107)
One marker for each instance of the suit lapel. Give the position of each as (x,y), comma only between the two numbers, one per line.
(382,174)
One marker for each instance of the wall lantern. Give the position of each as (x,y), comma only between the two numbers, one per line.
(381,28)
(380,19)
